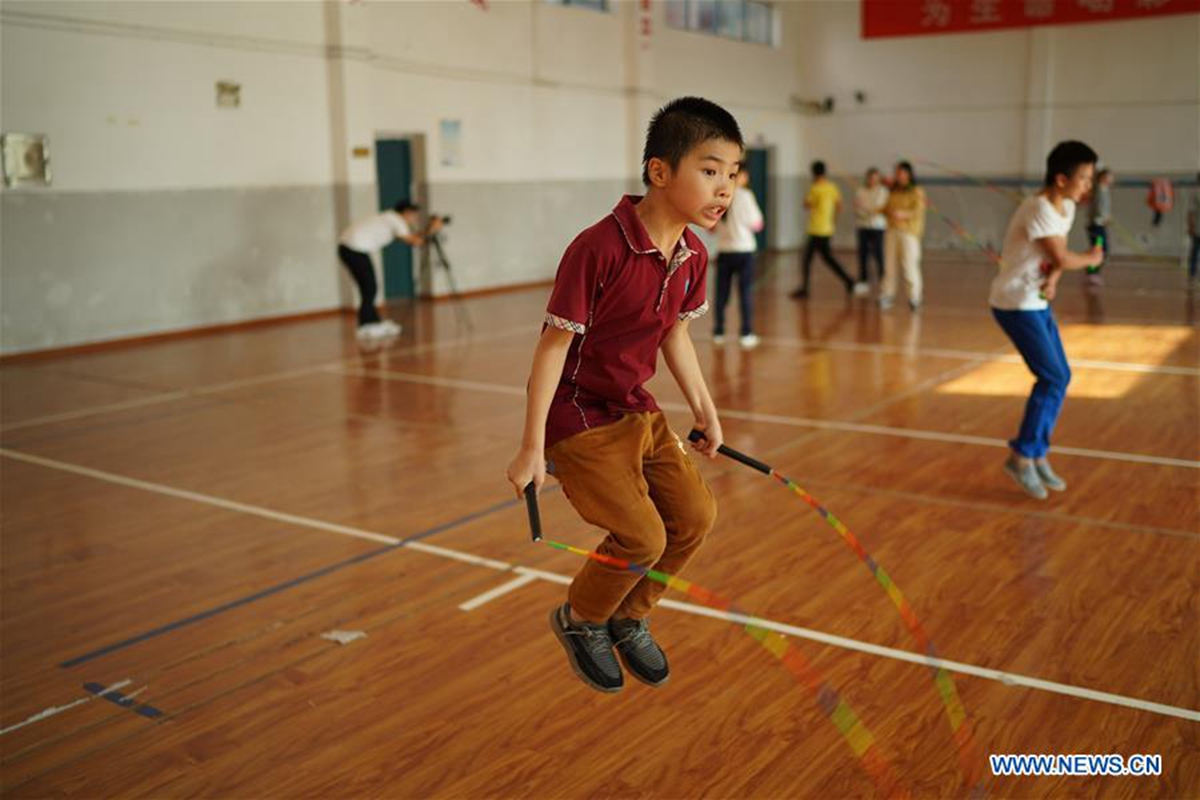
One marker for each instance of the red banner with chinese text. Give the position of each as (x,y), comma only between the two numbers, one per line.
(882,18)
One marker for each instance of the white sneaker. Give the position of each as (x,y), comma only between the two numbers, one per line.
(862,289)
(372,330)
(719,339)
(748,342)
(390,328)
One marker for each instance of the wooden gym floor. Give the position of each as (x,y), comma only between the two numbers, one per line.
(183,520)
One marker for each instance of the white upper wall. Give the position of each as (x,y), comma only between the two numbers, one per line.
(995,102)
(126,90)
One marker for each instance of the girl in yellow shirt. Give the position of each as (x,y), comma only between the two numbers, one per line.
(905,211)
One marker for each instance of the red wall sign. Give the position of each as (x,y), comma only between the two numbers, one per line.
(881,18)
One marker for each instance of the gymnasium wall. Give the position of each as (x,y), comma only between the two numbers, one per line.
(993,104)
(167,212)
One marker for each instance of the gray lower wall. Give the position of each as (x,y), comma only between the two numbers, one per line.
(504,233)
(87,267)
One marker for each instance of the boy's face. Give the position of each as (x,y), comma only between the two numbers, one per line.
(1076,186)
(701,188)
(412,217)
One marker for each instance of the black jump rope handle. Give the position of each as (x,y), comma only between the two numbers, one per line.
(729,452)
(535,516)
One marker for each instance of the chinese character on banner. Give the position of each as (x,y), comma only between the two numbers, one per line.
(646,24)
(1097,6)
(935,14)
(985,12)
(1039,9)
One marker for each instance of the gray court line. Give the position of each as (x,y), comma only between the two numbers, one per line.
(258,380)
(798,422)
(1006,678)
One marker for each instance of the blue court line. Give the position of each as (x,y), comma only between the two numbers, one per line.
(280,587)
(124,702)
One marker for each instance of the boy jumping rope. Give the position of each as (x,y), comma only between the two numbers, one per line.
(1032,261)
(626,288)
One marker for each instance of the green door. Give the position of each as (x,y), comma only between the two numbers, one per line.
(756,161)
(393,167)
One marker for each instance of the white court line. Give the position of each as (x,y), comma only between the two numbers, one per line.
(196,497)
(499,591)
(801,422)
(1007,678)
(55,710)
(969,355)
(182,394)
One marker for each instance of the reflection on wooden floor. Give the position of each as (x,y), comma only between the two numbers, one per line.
(182,522)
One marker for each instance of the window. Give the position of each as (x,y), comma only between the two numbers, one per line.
(597,5)
(742,20)
(677,13)
(760,23)
(730,18)
(702,15)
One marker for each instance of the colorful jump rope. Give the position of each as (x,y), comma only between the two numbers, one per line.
(853,731)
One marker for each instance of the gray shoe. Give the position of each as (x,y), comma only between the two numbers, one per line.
(639,652)
(1050,479)
(589,650)
(1027,478)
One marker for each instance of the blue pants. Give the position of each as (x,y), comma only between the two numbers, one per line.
(1035,333)
(729,265)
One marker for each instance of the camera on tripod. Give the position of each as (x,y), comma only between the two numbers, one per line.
(444,218)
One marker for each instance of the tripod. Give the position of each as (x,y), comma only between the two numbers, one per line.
(461,312)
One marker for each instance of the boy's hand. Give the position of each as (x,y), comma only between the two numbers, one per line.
(1050,285)
(713,437)
(1097,255)
(528,466)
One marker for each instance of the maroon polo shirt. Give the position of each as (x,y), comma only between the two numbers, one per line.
(620,296)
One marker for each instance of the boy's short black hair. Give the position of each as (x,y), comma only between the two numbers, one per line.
(683,124)
(818,168)
(405,205)
(871,171)
(1066,157)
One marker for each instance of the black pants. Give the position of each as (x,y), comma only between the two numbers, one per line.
(820,244)
(363,273)
(729,265)
(1194,257)
(870,243)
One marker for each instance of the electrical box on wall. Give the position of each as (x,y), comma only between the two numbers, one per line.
(26,158)
(229,94)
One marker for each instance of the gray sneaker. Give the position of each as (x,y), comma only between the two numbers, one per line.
(1027,478)
(589,649)
(1050,479)
(639,652)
